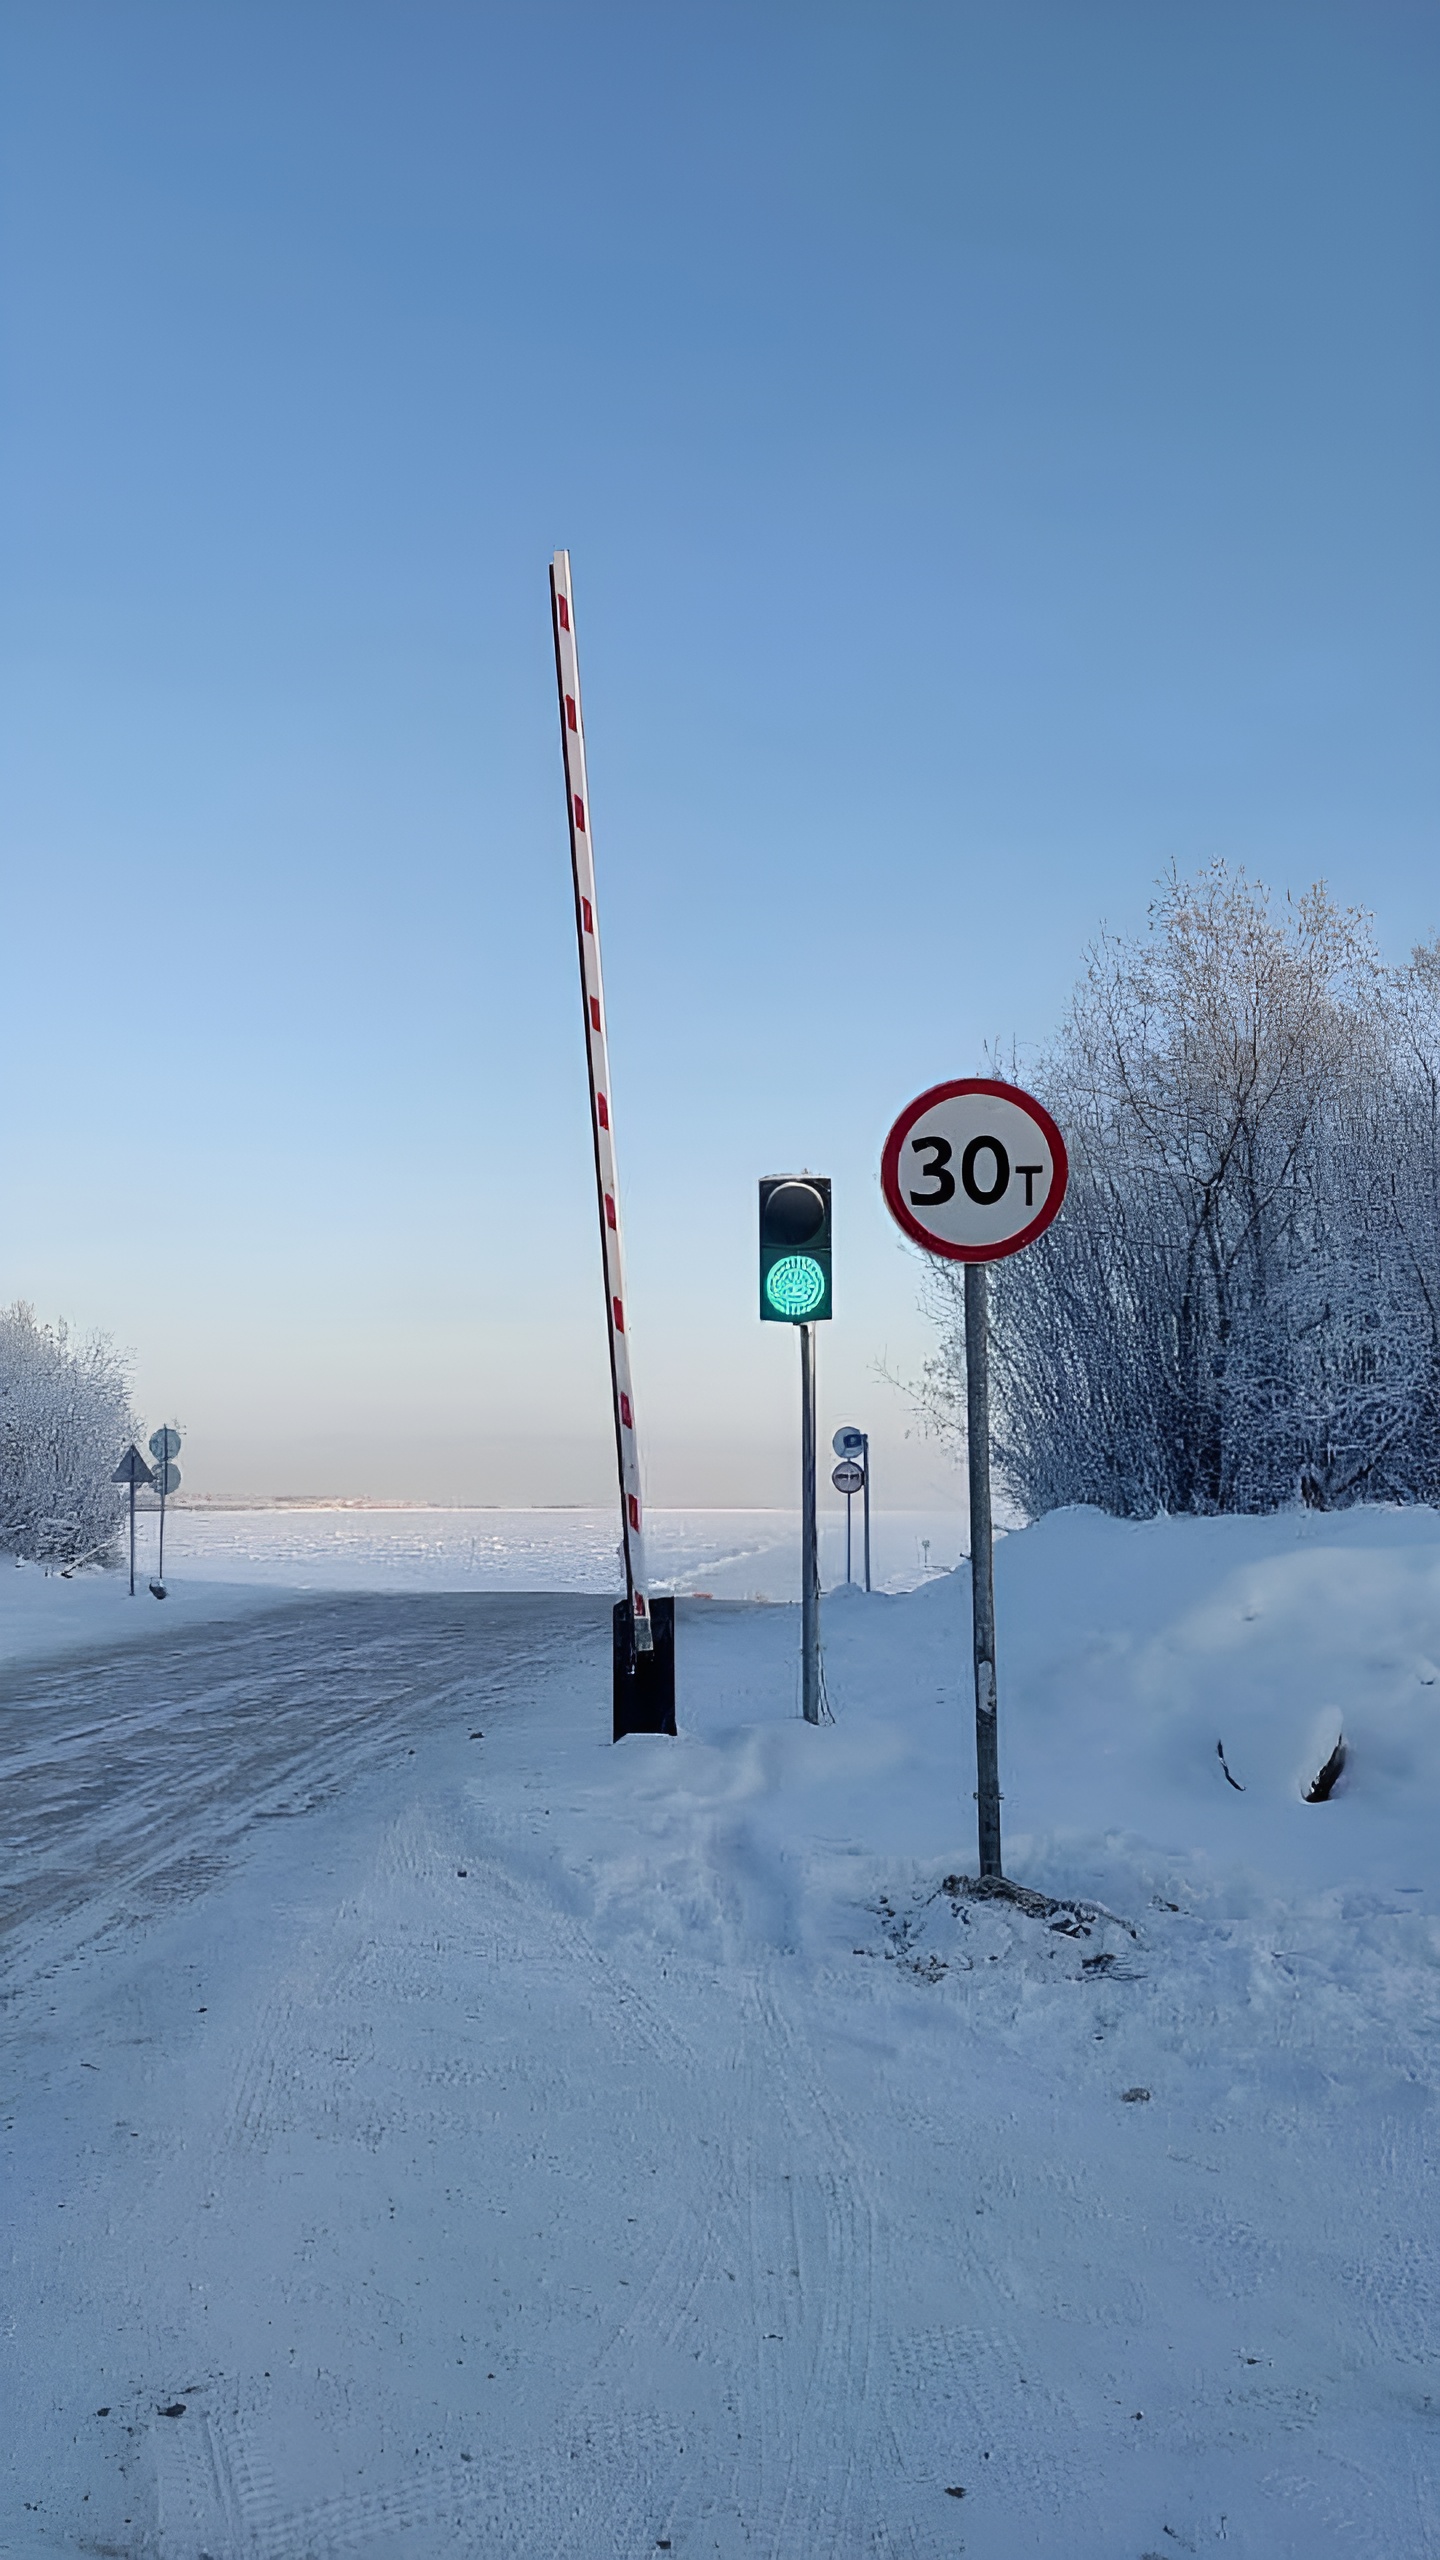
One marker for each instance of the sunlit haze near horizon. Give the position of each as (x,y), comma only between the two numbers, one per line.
(995,445)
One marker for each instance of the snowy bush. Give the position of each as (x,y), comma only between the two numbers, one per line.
(1239,1304)
(65,1423)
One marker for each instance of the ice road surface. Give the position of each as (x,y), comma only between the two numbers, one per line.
(734,1555)
(430,2131)
(222,1561)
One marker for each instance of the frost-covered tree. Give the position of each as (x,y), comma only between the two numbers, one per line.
(65,1422)
(1239,1305)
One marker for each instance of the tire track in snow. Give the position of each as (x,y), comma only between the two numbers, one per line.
(612,2462)
(130,1781)
(796,2210)
(200,2505)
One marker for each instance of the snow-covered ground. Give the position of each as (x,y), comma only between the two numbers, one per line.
(44,1614)
(434,2131)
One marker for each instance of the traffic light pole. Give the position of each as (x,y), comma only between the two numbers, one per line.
(809,1549)
(982,1563)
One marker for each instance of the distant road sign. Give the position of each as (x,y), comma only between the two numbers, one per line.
(132,1469)
(974,1170)
(848,1442)
(167,1478)
(847,1477)
(165,1443)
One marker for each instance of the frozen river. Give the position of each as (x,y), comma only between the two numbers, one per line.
(734,1555)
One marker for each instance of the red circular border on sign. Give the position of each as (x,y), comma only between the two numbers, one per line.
(890,1170)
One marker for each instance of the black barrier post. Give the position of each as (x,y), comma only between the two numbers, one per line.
(644,1682)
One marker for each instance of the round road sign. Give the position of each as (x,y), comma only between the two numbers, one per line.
(848,1442)
(974,1170)
(847,1477)
(165,1443)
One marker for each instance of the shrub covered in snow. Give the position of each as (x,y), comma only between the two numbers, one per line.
(65,1422)
(1239,1305)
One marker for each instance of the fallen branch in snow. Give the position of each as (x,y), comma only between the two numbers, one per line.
(1322,1785)
(1036,1906)
(1225,1765)
(1106,1967)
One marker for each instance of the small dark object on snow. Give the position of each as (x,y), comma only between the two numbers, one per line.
(1134,2097)
(102,2413)
(462,1871)
(1036,1906)
(1108,1968)
(1225,1765)
(477,1737)
(1322,1787)
(159,1590)
(954,2493)
(175,2410)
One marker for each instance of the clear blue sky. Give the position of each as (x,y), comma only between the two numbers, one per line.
(996,444)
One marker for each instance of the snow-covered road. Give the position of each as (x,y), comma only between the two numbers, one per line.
(127,1780)
(536,2149)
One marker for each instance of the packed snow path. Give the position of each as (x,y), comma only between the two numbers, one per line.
(128,1780)
(535,2149)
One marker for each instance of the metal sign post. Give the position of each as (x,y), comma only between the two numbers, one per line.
(852,1443)
(847,1478)
(644,1697)
(982,1564)
(164,1449)
(865,1505)
(132,1471)
(974,1171)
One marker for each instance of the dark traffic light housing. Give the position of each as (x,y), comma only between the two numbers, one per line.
(795,1249)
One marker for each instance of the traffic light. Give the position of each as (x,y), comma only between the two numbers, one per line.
(795,1249)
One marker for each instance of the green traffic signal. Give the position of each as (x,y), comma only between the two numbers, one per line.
(795,1286)
(795,1249)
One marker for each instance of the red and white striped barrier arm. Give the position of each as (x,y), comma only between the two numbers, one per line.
(587,934)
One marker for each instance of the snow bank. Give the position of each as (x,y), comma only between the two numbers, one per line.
(43,1615)
(1130,1654)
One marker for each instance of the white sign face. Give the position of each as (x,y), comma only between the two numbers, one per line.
(974,1170)
(848,1442)
(847,1477)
